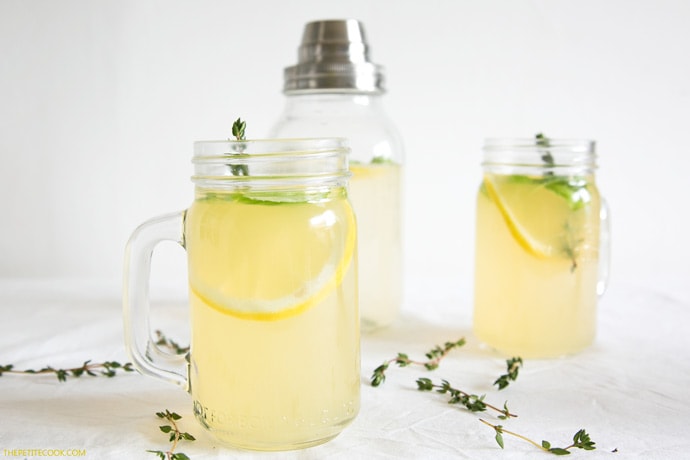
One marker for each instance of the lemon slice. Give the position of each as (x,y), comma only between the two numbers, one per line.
(530,219)
(268,262)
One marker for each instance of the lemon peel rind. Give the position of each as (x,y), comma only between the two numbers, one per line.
(509,220)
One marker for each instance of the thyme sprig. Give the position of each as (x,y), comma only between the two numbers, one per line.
(575,192)
(513,366)
(163,341)
(581,440)
(175,436)
(106,368)
(546,157)
(434,357)
(476,403)
(472,402)
(238,130)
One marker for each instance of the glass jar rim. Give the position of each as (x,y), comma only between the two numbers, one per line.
(573,144)
(212,147)
(564,154)
(257,162)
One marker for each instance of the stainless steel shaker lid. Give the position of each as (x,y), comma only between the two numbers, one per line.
(334,56)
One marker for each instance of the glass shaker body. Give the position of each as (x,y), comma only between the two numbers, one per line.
(538,265)
(334,90)
(375,188)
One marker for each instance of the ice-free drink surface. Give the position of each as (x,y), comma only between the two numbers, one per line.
(274,338)
(537,266)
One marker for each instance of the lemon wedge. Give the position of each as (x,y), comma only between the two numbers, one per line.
(268,262)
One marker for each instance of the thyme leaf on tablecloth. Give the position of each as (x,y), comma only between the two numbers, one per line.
(472,402)
(581,440)
(171,345)
(175,436)
(476,403)
(106,368)
(434,357)
(513,366)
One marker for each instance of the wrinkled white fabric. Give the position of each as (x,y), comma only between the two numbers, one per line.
(629,390)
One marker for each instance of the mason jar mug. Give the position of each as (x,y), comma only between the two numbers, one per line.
(541,253)
(272,257)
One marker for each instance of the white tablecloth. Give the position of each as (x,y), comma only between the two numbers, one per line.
(630,391)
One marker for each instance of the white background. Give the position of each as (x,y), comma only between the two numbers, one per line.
(100,102)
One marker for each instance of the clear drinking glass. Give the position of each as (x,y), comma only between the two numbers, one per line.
(272,257)
(542,247)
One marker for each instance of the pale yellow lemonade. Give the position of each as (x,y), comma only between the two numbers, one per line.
(536,269)
(375,196)
(275,327)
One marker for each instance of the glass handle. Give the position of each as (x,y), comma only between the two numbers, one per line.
(146,356)
(604,248)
